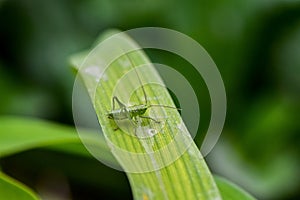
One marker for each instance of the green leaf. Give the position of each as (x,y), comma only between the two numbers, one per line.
(230,191)
(19,134)
(13,190)
(190,169)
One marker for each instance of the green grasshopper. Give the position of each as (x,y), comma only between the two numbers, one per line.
(134,112)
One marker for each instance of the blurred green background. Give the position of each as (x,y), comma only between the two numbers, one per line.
(255,44)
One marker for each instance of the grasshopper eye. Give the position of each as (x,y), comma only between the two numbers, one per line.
(109,116)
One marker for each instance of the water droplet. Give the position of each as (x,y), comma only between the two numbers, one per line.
(152,132)
(95,72)
(124,62)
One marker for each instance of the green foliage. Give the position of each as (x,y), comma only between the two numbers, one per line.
(229,190)
(19,134)
(59,138)
(13,190)
(255,45)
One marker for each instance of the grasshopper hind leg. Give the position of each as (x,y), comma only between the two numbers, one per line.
(116,99)
(147,117)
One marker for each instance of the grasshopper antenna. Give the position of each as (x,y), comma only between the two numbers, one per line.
(137,74)
(165,106)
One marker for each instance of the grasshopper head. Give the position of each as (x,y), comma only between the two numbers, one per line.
(142,111)
(110,116)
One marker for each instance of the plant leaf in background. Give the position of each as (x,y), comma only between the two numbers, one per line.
(11,189)
(229,190)
(18,134)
